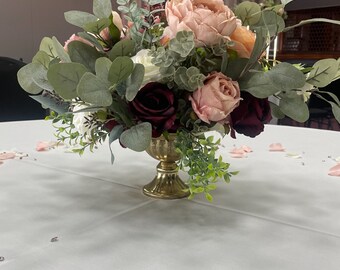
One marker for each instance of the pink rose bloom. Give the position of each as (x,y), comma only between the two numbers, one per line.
(75,37)
(218,97)
(209,20)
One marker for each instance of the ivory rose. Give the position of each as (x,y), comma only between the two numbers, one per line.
(216,99)
(151,71)
(244,41)
(209,20)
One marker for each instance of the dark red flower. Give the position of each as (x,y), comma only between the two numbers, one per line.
(250,116)
(155,103)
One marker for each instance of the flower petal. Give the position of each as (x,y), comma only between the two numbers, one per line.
(335,170)
(276,147)
(7,155)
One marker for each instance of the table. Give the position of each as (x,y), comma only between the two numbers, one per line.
(62,211)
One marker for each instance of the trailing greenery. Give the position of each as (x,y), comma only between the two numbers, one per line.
(198,158)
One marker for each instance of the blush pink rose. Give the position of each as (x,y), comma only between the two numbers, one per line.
(74,37)
(209,20)
(216,99)
(244,41)
(117,21)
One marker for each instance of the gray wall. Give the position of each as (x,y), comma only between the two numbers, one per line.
(23,23)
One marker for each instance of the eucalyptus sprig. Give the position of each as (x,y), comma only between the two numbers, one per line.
(198,158)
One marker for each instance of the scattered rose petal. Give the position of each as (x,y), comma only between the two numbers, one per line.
(276,147)
(246,149)
(238,155)
(7,155)
(45,146)
(334,171)
(293,155)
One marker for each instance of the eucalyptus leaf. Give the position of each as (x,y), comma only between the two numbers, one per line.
(91,39)
(97,26)
(46,45)
(135,81)
(47,100)
(138,137)
(335,107)
(248,12)
(25,78)
(121,68)
(39,76)
(124,47)
(102,67)
(64,57)
(79,18)
(323,72)
(114,135)
(271,22)
(94,90)
(276,112)
(285,2)
(64,77)
(294,107)
(42,58)
(102,8)
(235,67)
(83,54)
(311,21)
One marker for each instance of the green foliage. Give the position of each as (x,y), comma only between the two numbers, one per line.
(323,73)
(25,78)
(124,47)
(198,157)
(134,82)
(79,18)
(94,90)
(138,137)
(53,102)
(102,8)
(183,43)
(114,135)
(248,12)
(121,68)
(47,46)
(189,79)
(64,77)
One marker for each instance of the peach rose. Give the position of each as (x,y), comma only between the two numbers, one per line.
(216,99)
(209,20)
(78,38)
(244,41)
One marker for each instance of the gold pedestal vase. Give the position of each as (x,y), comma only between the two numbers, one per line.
(166,184)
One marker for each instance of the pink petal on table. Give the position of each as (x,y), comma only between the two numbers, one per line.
(334,171)
(45,146)
(276,147)
(7,155)
(238,155)
(237,151)
(246,149)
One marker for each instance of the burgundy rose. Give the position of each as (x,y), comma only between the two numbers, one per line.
(155,103)
(250,116)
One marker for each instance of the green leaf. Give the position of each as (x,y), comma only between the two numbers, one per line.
(50,101)
(102,67)
(79,18)
(235,67)
(120,69)
(25,78)
(42,58)
(64,57)
(94,90)
(102,8)
(248,12)
(64,77)
(271,23)
(114,135)
(83,54)
(282,77)
(134,82)
(97,26)
(294,106)
(335,107)
(46,45)
(285,2)
(323,72)
(311,21)
(209,197)
(276,112)
(124,47)
(92,40)
(39,76)
(137,138)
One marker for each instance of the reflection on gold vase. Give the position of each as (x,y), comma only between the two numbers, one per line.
(166,184)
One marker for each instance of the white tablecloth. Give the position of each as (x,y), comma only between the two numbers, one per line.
(279,212)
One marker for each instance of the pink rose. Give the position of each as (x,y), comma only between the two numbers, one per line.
(75,37)
(209,20)
(218,97)
(244,41)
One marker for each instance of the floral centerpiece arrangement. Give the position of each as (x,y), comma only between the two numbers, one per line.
(184,67)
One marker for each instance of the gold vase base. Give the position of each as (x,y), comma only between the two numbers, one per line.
(166,185)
